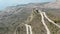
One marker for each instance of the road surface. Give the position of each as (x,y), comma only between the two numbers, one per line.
(28,29)
(43,14)
(50,20)
(48,31)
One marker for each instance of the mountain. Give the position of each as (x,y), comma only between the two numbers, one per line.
(13,17)
(53,5)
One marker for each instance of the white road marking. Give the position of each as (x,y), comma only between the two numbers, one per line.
(50,20)
(48,32)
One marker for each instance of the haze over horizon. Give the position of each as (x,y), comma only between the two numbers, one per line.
(5,3)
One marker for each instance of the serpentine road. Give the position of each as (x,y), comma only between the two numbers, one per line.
(48,32)
(50,20)
(43,14)
(28,29)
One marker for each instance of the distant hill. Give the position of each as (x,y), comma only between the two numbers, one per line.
(53,4)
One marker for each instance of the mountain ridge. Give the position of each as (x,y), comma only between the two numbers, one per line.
(12,18)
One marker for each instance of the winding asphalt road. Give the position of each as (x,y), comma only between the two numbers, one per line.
(50,20)
(28,29)
(43,14)
(48,31)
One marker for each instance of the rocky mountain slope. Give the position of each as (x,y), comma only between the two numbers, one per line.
(13,16)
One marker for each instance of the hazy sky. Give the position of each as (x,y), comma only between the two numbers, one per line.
(5,3)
